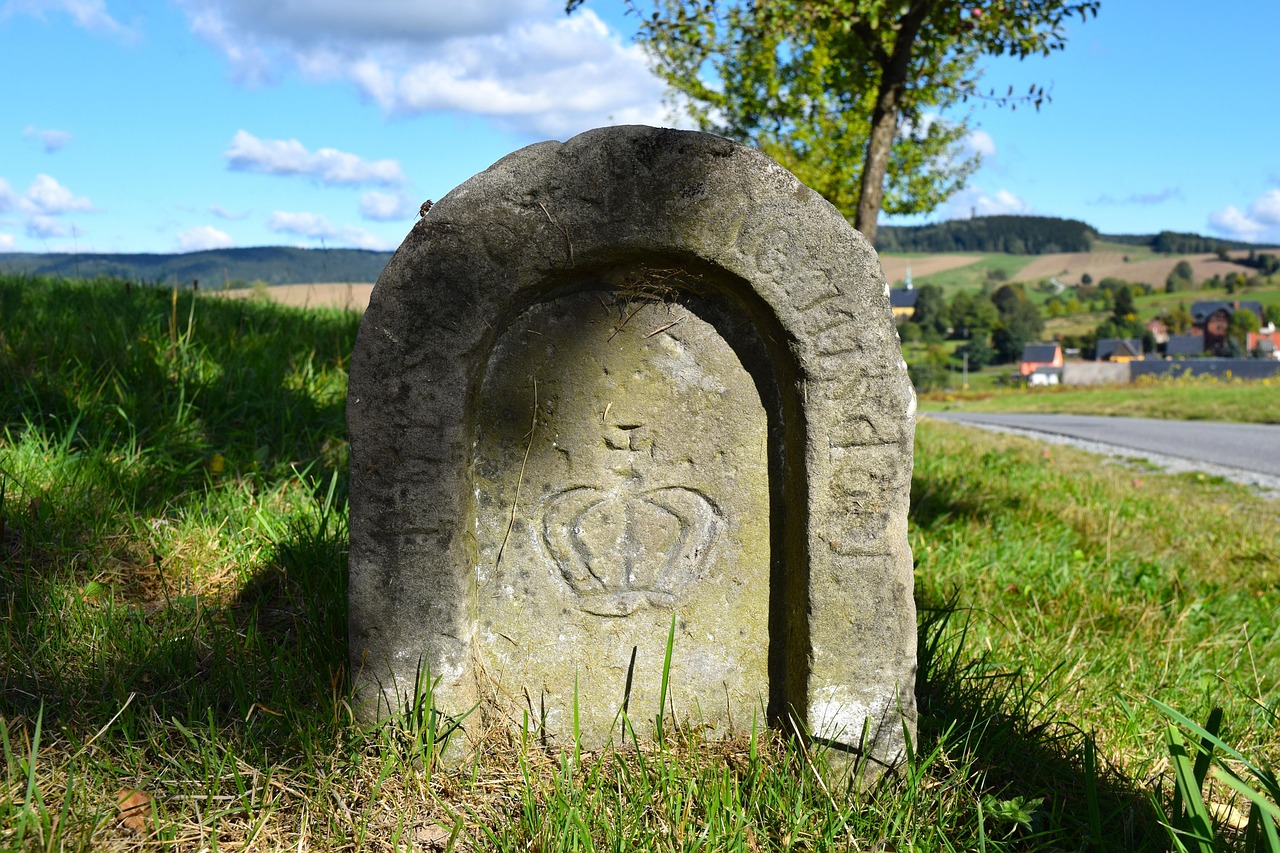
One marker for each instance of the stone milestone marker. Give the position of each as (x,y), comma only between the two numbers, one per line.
(639,378)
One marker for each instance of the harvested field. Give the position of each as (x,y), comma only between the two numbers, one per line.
(895,266)
(351,296)
(1068,267)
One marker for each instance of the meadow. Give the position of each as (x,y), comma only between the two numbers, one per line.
(1201,398)
(173,663)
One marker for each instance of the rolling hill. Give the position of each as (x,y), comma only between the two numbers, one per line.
(214,268)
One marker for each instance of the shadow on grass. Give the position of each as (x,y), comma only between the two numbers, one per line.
(267,668)
(992,720)
(115,402)
(151,389)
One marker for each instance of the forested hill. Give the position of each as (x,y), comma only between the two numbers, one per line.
(1017,235)
(214,268)
(1032,235)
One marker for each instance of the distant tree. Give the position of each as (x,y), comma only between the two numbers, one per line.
(1123,307)
(1020,324)
(972,315)
(979,351)
(931,310)
(1271,313)
(1134,329)
(1178,320)
(910,332)
(1180,278)
(1241,323)
(1007,297)
(1032,235)
(1124,322)
(930,373)
(1086,279)
(1173,243)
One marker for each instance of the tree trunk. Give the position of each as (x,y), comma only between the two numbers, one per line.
(884,119)
(884,127)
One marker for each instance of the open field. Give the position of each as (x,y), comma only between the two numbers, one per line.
(173,544)
(1152,270)
(895,266)
(1203,399)
(343,295)
(1143,266)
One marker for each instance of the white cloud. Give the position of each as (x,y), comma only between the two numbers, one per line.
(6,241)
(980,142)
(204,237)
(52,140)
(247,153)
(974,200)
(47,197)
(42,204)
(1260,224)
(92,15)
(316,227)
(1232,220)
(386,207)
(46,226)
(1266,208)
(522,63)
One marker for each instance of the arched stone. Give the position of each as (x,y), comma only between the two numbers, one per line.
(638,378)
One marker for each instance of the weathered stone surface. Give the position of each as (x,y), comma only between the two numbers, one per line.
(640,491)
(639,375)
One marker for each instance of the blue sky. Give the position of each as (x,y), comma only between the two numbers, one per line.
(154,126)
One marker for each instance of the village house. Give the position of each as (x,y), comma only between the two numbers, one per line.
(1121,350)
(902,301)
(1039,355)
(1265,342)
(1211,318)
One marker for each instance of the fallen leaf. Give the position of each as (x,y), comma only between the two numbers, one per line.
(134,810)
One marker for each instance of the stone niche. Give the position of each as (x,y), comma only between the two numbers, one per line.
(636,386)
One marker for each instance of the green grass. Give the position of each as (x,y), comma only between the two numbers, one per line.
(172,573)
(1191,399)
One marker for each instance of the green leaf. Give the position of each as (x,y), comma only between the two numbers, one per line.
(1199,827)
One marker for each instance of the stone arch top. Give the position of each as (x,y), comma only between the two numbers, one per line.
(605,205)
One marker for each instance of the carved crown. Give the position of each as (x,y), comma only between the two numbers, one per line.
(621,548)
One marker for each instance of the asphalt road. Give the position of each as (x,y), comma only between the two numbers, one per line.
(1245,452)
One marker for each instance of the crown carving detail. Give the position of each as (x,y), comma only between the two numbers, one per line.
(622,548)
